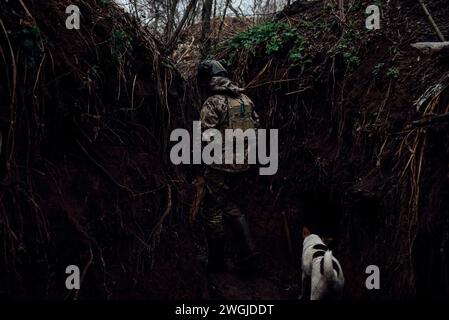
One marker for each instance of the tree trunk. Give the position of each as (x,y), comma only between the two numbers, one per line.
(228,2)
(172,41)
(171,18)
(156,16)
(234,10)
(205,28)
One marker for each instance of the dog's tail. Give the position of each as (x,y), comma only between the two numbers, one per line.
(328,266)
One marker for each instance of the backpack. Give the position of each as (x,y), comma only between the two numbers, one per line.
(240,113)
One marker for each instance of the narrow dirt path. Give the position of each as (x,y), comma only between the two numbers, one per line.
(279,278)
(273,284)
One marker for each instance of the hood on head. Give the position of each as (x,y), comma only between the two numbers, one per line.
(222,85)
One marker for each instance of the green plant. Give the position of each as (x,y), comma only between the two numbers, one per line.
(377,69)
(167,65)
(272,37)
(121,43)
(263,33)
(393,73)
(356,7)
(347,48)
(94,72)
(317,26)
(298,51)
(32,35)
(33,41)
(351,59)
(273,45)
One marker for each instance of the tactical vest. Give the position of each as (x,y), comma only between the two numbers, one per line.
(240,113)
(240,116)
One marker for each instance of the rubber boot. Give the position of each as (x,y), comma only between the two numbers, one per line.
(249,257)
(216,259)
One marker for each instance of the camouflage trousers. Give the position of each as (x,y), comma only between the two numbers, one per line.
(219,201)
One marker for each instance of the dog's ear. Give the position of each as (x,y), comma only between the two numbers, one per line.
(305,232)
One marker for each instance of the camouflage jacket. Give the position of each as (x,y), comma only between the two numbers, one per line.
(215,114)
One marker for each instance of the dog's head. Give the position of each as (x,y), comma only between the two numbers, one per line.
(312,239)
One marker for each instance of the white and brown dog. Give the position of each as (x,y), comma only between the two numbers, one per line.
(322,275)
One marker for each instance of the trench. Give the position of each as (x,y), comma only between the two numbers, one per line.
(86,179)
(276,222)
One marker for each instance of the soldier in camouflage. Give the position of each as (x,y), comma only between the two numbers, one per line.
(226,107)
